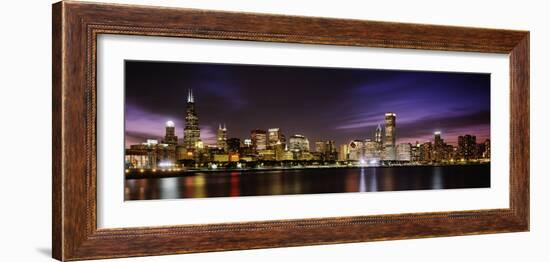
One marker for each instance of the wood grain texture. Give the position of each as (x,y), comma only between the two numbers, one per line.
(519,129)
(76,26)
(57,195)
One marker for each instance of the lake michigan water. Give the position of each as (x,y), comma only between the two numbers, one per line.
(309,181)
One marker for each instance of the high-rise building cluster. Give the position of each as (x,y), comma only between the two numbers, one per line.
(375,150)
(272,145)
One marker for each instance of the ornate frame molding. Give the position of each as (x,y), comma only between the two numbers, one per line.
(76,26)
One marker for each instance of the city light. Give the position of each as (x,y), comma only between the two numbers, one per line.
(165,164)
(301,140)
(270,148)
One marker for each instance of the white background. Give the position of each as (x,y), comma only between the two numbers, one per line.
(25,84)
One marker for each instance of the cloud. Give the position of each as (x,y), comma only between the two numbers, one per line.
(142,125)
(208,135)
(474,123)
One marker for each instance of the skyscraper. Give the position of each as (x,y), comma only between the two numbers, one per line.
(192,132)
(378,135)
(487,153)
(343,152)
(356,150)
(404,152)
(259,139)
(320,147)
(170,136)
(222,138)
(389,137)
(467,146)
(415,152)
(298,143)
(426,152)
(326,150)
(372,151)
(330,150)
(437,137)
(439,147)
(274,137)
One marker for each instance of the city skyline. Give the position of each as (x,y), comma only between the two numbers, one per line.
(425,104)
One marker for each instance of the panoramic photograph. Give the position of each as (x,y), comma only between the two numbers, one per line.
(200,130)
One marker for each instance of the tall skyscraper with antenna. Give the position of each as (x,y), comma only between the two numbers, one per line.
(191,132)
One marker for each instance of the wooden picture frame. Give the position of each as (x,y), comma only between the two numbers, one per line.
(75,28)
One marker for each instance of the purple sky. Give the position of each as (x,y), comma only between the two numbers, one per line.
(320,103)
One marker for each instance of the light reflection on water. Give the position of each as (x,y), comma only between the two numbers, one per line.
(362,183)
(437,178)
(372,181)
(308,181)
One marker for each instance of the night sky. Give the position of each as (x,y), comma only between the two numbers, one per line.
(320,103)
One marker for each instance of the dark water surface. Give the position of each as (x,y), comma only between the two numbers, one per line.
(308,181)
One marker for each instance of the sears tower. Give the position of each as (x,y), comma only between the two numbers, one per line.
(192,132)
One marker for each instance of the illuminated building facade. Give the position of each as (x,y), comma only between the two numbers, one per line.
(343,152)
(487,153)
(221,158)
(150,155)
(170,135)
(371,151)
(356,150)
(467,147)
(378,135)
(325,150)
(221,138)
(439,148)
(275,137)
(137,159)
(298,143)
(426,152)
(415,152)
(320,147)
(389,137)
(266,155)
(191,132)
(258,138)
(404,152)
(330,153)
(279,150)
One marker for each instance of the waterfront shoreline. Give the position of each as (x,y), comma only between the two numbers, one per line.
(146,174)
